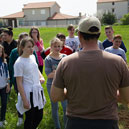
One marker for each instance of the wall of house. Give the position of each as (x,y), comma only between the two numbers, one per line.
(35,14)
(120,8)
(53,9)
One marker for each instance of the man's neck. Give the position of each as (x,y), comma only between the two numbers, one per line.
(110,39)
(90,45)
(9,42)
(24,55)
(71,36)
(115,47)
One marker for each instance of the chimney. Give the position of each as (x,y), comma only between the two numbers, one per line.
(24,5)
(80,14)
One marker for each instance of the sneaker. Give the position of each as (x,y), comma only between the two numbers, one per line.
(5,122)
(1,124)
(20,121)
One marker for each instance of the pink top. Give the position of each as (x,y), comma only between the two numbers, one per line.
(38,47)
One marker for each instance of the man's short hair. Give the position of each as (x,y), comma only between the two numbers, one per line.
(118,36)
(90,28)
(70,27)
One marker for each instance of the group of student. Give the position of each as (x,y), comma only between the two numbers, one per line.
(24,69)
(113,43)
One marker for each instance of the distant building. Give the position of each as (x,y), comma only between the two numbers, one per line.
(40,14)
(117,7)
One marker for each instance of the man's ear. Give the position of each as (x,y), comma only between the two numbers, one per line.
(79,35)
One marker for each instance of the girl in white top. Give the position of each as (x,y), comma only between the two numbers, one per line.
(31,99)
(4,85)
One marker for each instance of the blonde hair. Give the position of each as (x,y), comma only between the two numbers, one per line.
(56,41)
(108,27)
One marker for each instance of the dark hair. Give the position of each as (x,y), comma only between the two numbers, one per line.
(87,36)
(23,43)
(8,31)
(3,59)
(20,37)
(34,28)
(70,27)
(1,30)
(60,36)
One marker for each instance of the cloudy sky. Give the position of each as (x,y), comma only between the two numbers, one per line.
(71,7)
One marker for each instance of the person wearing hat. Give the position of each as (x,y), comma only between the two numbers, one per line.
(89,80)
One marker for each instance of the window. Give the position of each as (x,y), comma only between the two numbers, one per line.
(43,23)
(33,12)
(43,11)
(113,3)
(33,23)
(113,10)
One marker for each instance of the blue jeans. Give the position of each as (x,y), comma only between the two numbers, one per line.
(55,114)
(3,96)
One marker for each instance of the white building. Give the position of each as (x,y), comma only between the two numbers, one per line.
(117,7)
(40,14)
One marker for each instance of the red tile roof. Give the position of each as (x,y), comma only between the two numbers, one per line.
(39,5)
(14,15)
(61,16)
(105,1)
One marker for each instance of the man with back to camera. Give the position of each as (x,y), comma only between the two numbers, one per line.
(91,78)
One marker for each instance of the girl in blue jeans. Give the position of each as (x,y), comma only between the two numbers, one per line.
(51,63)
(4,86)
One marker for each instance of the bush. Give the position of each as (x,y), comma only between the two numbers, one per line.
(125,19)
(116,24)
(108,18)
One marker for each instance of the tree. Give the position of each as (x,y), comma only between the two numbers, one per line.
(108,18)
(125,19)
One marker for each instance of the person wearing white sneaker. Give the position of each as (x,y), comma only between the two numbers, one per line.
(20,121)
(4,85)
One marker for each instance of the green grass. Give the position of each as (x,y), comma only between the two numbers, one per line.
(47,34)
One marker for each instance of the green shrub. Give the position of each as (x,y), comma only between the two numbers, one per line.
(108,18)
(125,19)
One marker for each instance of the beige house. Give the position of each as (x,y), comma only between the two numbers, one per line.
(40,14)
(118,7)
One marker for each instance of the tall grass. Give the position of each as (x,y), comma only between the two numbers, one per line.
(47,34)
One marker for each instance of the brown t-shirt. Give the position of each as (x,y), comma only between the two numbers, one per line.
(92,79)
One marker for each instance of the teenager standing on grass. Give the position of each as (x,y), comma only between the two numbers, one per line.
(109,32)
(115,49)
(31,99)
(38,45)
(51,63)
(9,43)
(13,57)
(72,40)
(4,86)
(65,49)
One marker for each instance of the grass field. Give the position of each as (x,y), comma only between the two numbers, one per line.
(47,34)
